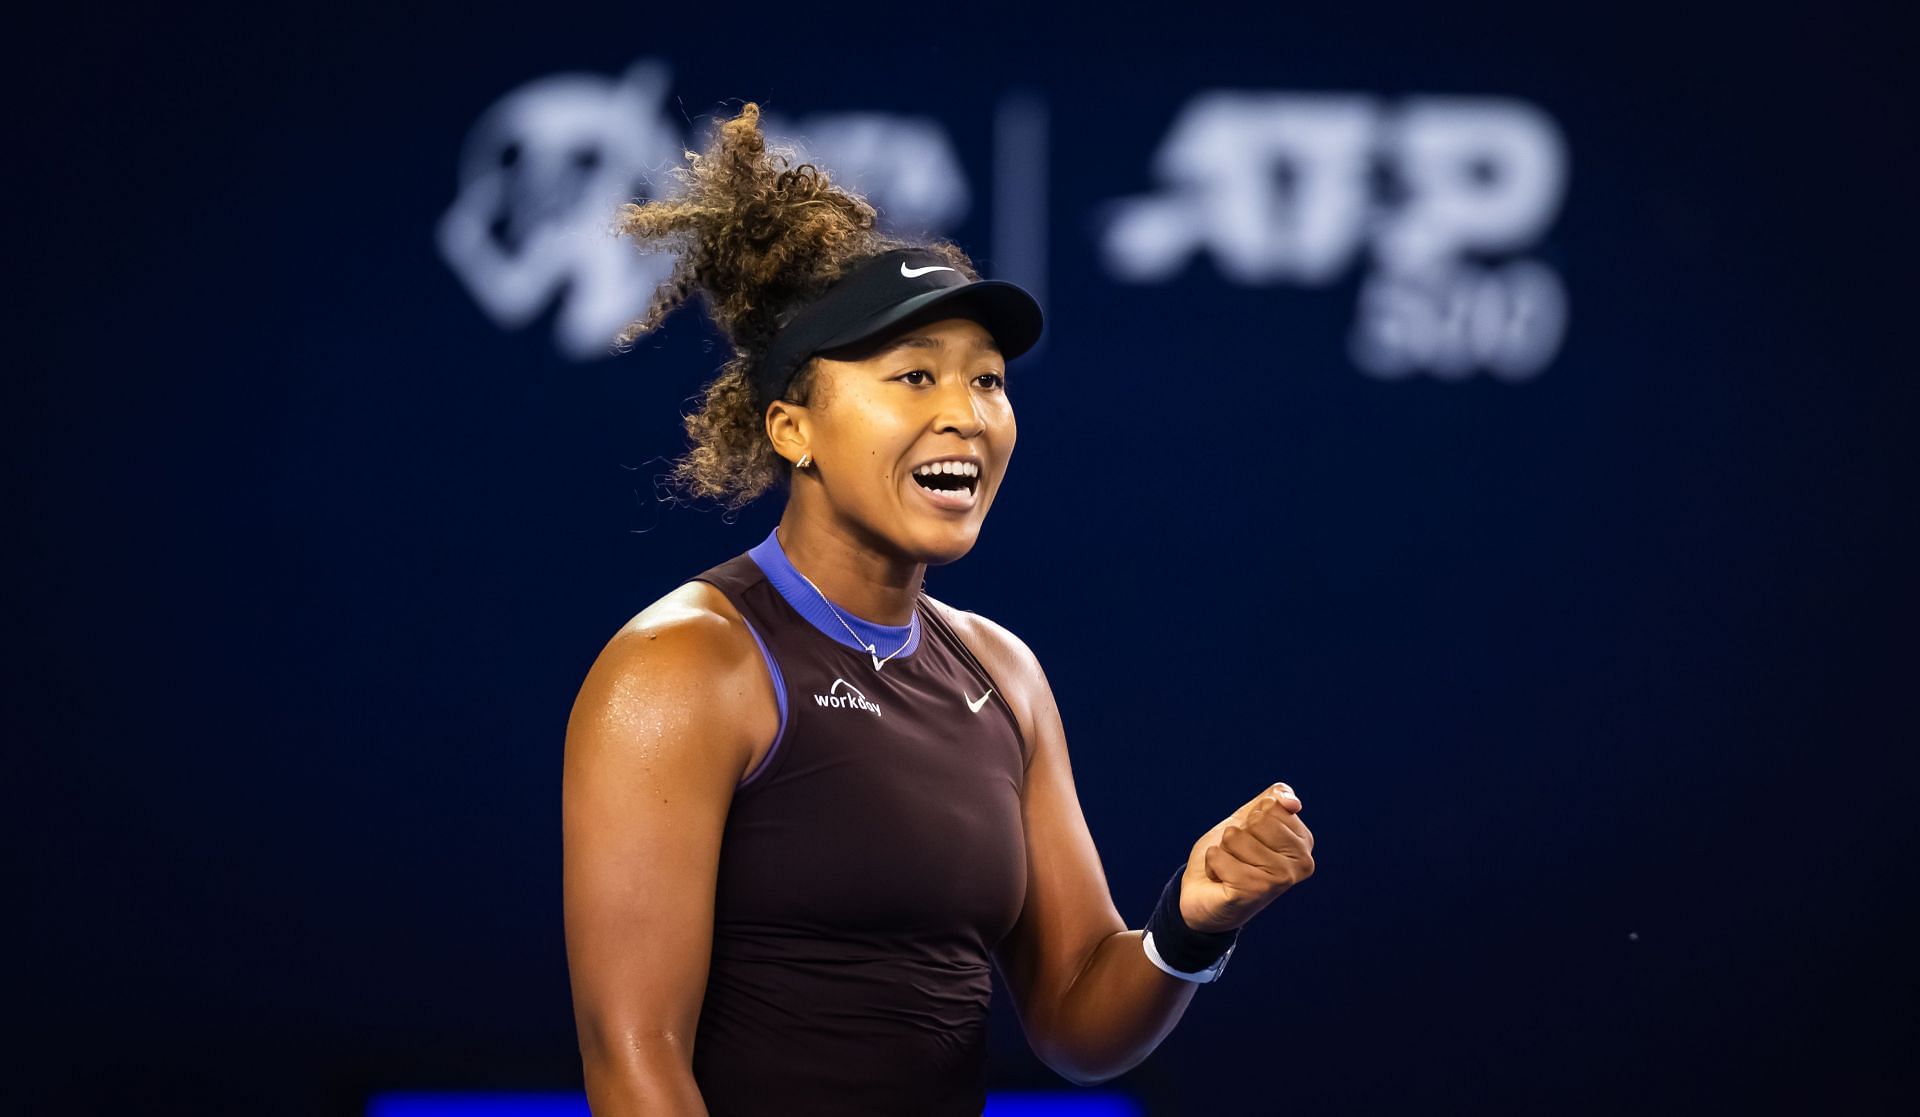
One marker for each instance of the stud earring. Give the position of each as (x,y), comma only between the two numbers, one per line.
(804,460)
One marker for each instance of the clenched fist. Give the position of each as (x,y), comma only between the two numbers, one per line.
(1240,866)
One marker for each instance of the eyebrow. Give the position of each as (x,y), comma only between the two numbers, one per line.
(921,341)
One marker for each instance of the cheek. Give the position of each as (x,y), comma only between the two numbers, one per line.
(880,444)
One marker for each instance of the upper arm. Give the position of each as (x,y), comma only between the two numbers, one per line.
(1069,908)
(652,758)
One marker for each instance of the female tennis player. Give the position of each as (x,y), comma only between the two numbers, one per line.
(808,806)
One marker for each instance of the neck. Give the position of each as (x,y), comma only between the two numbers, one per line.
(854,575)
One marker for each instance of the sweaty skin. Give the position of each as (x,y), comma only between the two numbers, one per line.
(678,708)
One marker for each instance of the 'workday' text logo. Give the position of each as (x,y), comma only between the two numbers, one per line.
(852,698)
(1290,188)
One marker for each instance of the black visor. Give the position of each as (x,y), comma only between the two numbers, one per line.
(896,290)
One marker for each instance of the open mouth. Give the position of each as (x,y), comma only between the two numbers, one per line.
(949,486)
(948,478)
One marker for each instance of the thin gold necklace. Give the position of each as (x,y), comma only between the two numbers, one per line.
(912,625)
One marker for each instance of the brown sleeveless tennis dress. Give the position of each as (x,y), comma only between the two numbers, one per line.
(869,865)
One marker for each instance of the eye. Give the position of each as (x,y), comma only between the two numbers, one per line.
(997,381)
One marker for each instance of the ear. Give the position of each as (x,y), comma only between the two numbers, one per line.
(790,425)
(787,425)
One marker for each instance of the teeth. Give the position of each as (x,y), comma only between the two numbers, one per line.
(962,469)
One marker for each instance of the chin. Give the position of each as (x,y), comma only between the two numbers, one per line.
(937,537)
(936,543)
(938,548)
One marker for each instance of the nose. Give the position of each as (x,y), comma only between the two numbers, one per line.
(958,409)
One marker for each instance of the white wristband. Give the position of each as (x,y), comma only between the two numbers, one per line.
(1200,978)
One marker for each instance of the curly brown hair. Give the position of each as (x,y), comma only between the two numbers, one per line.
(758,238)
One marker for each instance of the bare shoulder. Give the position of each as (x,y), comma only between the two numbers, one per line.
(695,609)
(657,742)
(984,635)
(693,629)
(687,658)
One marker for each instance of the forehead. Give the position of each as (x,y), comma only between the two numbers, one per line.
(962,334)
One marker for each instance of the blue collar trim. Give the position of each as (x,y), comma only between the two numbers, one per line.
(772,558)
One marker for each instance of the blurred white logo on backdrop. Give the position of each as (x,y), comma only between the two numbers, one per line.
(1290,187)
(543,173)
(1433,197)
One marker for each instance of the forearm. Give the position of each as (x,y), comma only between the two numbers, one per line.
(1115,1013)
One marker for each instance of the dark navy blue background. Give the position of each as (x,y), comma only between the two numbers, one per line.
(1593,685)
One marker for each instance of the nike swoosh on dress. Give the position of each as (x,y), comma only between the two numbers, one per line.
(975,706)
